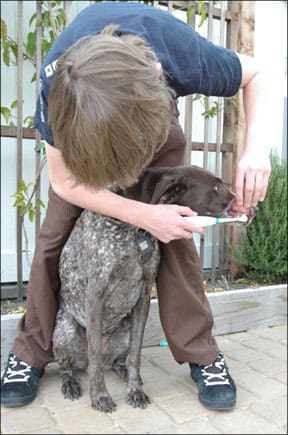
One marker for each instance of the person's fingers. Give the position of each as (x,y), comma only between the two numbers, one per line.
(258,183)
(189,229)
(249,189)
(239,185)
(256,187)
(186,211)
(264,185)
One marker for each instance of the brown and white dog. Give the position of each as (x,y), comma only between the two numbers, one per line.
(107,269)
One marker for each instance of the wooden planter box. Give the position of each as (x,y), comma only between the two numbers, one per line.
(233,310)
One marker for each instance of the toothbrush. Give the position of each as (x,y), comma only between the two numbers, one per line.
(205,221)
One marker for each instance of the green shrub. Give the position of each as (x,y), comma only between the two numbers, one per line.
(262,249)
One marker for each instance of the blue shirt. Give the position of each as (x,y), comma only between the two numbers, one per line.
(191,63)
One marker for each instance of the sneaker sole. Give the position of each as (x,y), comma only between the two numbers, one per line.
(14,402)
(226,406)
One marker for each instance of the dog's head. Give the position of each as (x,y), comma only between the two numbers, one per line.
(189,186)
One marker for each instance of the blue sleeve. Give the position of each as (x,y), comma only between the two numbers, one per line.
(192,63)
(41,115)
(221,71)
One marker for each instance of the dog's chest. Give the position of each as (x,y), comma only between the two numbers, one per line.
(106,260)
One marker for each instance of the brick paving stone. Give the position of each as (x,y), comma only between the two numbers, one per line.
(242,421)
(277,333)
(22,419)
(274,410)
(269,366)
(197,426)
(262,386)
(182,408)
(85,420)
(240,353)
(151,420)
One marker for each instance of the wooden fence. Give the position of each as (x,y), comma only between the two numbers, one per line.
(236,21)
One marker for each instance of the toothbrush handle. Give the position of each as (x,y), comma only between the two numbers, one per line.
(203,221)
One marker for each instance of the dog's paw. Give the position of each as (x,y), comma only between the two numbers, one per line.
(71,388)
(120,369)
(138,399)
(103,402)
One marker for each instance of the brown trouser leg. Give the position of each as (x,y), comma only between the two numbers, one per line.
(33,344)
(184,309)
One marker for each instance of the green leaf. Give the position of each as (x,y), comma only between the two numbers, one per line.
(6,54)
(17,310)
(14,104)
(31,44)
(39,22)
(201,10)
(234,101)
(14,49)
(197,97)
(39,147)
(33,78)
(6,113)
(189,14)
(31,215)
(18,202)
(3,29)
(29,121)
(32,18)
(212,111)
(40,202)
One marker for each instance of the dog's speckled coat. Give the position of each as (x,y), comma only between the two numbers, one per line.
(107,269)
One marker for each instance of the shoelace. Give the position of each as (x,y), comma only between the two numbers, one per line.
(216,373)
(15,373)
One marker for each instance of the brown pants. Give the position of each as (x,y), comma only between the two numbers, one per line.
(185,313)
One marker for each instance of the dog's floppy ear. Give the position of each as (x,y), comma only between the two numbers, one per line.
(166,189)
(159,185)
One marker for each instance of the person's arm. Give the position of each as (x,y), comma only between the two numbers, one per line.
(165,222)
(253,168)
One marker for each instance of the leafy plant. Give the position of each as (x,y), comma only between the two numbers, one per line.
(262,251)
(9,116)
(23,200)
(24,197)
(18,310)
(211,111)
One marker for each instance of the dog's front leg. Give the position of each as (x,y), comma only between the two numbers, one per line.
(136,395)
(100,398)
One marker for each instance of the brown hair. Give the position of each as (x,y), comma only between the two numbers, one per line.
(108,109)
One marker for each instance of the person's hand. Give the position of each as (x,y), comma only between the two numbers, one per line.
(166,223)
(252,176)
